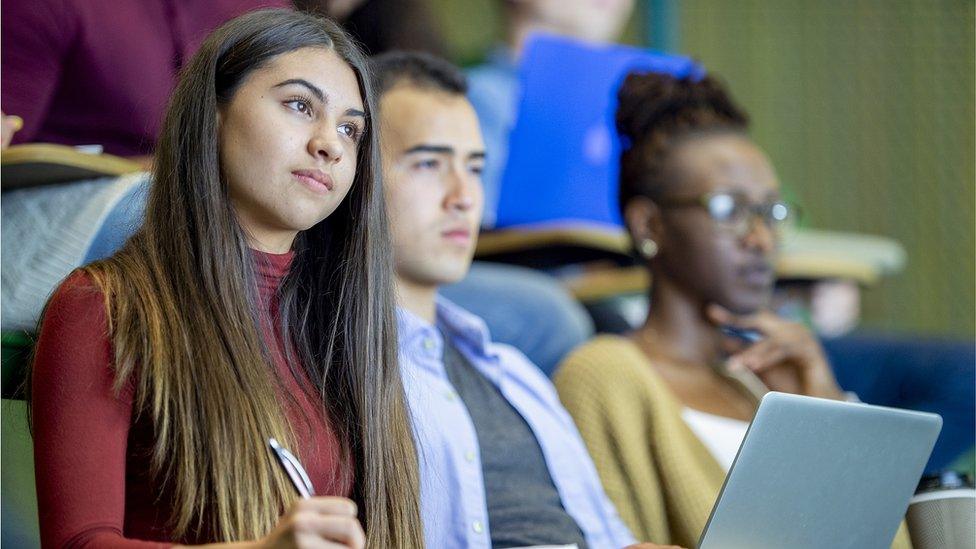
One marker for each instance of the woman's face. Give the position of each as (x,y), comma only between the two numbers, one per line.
(288,144)
(709,259)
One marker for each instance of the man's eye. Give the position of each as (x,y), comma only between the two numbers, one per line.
(477,170)
(431,164)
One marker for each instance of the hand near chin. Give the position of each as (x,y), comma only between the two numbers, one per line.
(788,358)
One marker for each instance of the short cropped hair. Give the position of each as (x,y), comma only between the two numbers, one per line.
(417,69)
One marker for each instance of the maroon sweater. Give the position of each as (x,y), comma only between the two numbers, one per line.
(91,458)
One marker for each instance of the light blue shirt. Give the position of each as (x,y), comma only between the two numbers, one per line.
(453,505)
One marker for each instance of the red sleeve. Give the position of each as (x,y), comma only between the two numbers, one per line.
(80,426)
(35,38)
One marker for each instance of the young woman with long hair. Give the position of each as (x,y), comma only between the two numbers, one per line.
(254,302)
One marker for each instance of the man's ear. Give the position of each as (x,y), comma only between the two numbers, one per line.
(643,219)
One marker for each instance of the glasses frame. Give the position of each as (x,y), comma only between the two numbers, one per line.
(761,211)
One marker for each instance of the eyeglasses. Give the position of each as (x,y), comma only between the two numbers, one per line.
(735,212)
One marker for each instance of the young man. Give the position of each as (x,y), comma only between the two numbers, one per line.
(502,464)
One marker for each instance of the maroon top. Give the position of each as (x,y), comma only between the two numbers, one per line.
(85,72)
(91,460)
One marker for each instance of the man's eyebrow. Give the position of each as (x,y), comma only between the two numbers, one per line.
(441,149)
(318,93)
(477,155)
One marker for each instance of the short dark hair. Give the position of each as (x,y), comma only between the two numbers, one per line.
(418,69)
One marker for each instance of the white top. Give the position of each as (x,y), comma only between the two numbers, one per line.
(721,435)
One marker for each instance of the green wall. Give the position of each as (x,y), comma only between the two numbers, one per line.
(867,109)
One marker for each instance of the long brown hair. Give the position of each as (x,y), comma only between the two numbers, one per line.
(183,316)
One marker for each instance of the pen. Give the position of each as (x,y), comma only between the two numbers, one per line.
(296,473)
(746,335)
(746,378)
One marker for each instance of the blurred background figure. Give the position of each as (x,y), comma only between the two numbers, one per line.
(382,25)
(87,74)
(494,83)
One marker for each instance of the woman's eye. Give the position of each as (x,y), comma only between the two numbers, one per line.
(350,130)
(722,207)
(300,105)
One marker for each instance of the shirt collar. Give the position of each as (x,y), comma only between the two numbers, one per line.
(460,325)
(456,323)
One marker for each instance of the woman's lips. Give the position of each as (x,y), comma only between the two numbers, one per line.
(458,236)
(316,180)
(758,275)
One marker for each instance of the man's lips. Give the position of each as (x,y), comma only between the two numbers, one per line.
(317,180)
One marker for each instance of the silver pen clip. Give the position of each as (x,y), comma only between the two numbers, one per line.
(293,468)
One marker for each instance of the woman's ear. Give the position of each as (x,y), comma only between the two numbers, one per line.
(643,219)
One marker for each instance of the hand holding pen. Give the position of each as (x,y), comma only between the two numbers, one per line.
(313,521)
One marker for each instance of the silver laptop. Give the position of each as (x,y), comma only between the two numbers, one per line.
(815,473)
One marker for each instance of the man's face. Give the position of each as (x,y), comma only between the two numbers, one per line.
(433,155)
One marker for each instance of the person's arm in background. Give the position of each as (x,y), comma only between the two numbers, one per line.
(10,125)
(34,41)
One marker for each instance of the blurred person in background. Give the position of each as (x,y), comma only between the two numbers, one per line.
(664,409)
(382,25)
(87,73)
(494,84)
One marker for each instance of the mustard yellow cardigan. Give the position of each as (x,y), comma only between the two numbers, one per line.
(659,475)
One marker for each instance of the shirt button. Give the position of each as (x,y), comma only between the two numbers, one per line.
(449,395)
(477,527)
(469,457)
(429,344)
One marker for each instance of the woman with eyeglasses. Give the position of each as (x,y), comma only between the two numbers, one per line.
(664,408)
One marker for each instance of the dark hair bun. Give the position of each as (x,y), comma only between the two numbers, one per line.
(653,110)
(659,105)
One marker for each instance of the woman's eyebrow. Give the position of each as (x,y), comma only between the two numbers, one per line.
(316,91)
